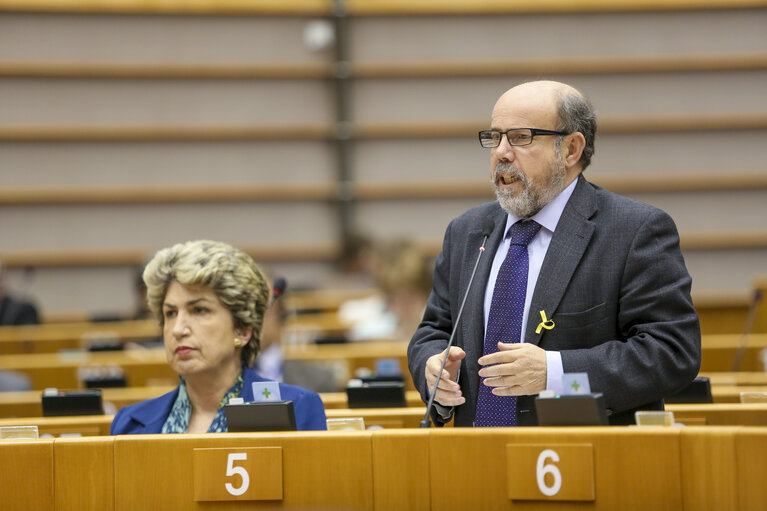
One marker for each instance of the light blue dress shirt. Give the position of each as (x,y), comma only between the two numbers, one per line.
(548,217)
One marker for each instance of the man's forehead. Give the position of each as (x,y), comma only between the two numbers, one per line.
(523,111)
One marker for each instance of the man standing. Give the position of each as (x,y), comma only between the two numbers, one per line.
(574,279)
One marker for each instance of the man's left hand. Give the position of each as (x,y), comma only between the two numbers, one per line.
(518,369)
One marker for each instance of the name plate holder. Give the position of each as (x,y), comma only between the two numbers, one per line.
(237,473)
(550,472)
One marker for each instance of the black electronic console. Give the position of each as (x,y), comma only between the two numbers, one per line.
(263,416)
(698,391)
(58,403)
(572,410)
(378,394)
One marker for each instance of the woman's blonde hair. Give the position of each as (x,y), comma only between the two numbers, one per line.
(232,274)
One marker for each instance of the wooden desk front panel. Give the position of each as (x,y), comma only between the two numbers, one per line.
(84,474)
(633,469)
(26,475)
(709,473)
(751,456)
(401,470)
(321,470)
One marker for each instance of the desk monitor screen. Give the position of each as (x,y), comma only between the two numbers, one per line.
(573,410)
(266,416)
(58,403)
(380,394)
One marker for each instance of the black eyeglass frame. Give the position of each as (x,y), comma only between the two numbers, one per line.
(533,133)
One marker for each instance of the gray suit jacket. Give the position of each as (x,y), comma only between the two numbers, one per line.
(614,283)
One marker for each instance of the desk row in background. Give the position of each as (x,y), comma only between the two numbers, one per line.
(716,414)
(148,367)
(29,403)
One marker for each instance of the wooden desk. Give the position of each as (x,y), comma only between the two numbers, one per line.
(355,355)
(633,469)
(720,414)
(739,379)
(84,474)
(693,468)
(95,425)
(718,352)
(319,470)
(26,475)
(141,367)
(28,403)
(338,399)
(52,337)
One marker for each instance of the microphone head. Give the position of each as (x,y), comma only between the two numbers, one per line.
(488,224)
(280,284)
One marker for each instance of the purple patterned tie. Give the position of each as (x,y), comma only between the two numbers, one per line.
(504,323)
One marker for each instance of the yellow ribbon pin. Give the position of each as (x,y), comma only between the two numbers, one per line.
(545,323)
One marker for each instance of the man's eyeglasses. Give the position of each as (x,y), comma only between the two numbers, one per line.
(516,137)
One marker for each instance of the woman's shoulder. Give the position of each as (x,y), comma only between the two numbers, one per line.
(141,417)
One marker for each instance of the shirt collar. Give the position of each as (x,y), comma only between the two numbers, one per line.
(549,216)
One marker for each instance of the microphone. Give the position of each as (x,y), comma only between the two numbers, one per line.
(750,318)
(280,284)
(487,228)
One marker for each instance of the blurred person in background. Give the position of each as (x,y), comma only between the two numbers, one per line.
(403,276)
(210,299)
(271,362)
(13,309)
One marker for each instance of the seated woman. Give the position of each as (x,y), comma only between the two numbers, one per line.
(210,299)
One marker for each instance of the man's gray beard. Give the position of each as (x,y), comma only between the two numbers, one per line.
(534,196)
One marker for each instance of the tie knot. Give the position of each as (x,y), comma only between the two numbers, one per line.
(523,232)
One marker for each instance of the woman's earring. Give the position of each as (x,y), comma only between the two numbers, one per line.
(237,342)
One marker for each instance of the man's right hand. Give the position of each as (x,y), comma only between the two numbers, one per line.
(448,392)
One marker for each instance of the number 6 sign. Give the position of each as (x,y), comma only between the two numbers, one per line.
(550,471)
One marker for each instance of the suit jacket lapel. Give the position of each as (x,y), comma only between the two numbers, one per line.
(473,321)
(571,238)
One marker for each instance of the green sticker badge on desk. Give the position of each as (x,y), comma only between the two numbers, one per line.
(266,391)
(575,383)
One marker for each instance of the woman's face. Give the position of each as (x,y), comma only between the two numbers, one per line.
(199,332)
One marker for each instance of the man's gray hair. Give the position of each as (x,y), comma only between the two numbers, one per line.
(577,114)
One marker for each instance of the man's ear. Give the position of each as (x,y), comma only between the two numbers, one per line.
(574,145)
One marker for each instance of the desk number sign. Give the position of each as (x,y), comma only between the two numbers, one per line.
(252,473)
(550,472)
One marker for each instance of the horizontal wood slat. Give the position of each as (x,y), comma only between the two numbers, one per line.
(209,7)
(366,7)
(287,252)
(218,70)
(416,69)
(163,132)
(656,182)
(394,130)
(562,66)
(478,7)
(169,194)
(702,240)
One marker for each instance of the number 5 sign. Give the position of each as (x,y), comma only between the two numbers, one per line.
(550,471)
(237,473)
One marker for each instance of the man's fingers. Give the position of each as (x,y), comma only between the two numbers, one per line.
(449,400)
(497,370)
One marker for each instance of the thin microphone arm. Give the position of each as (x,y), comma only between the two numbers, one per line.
(425,422)
(747,330)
